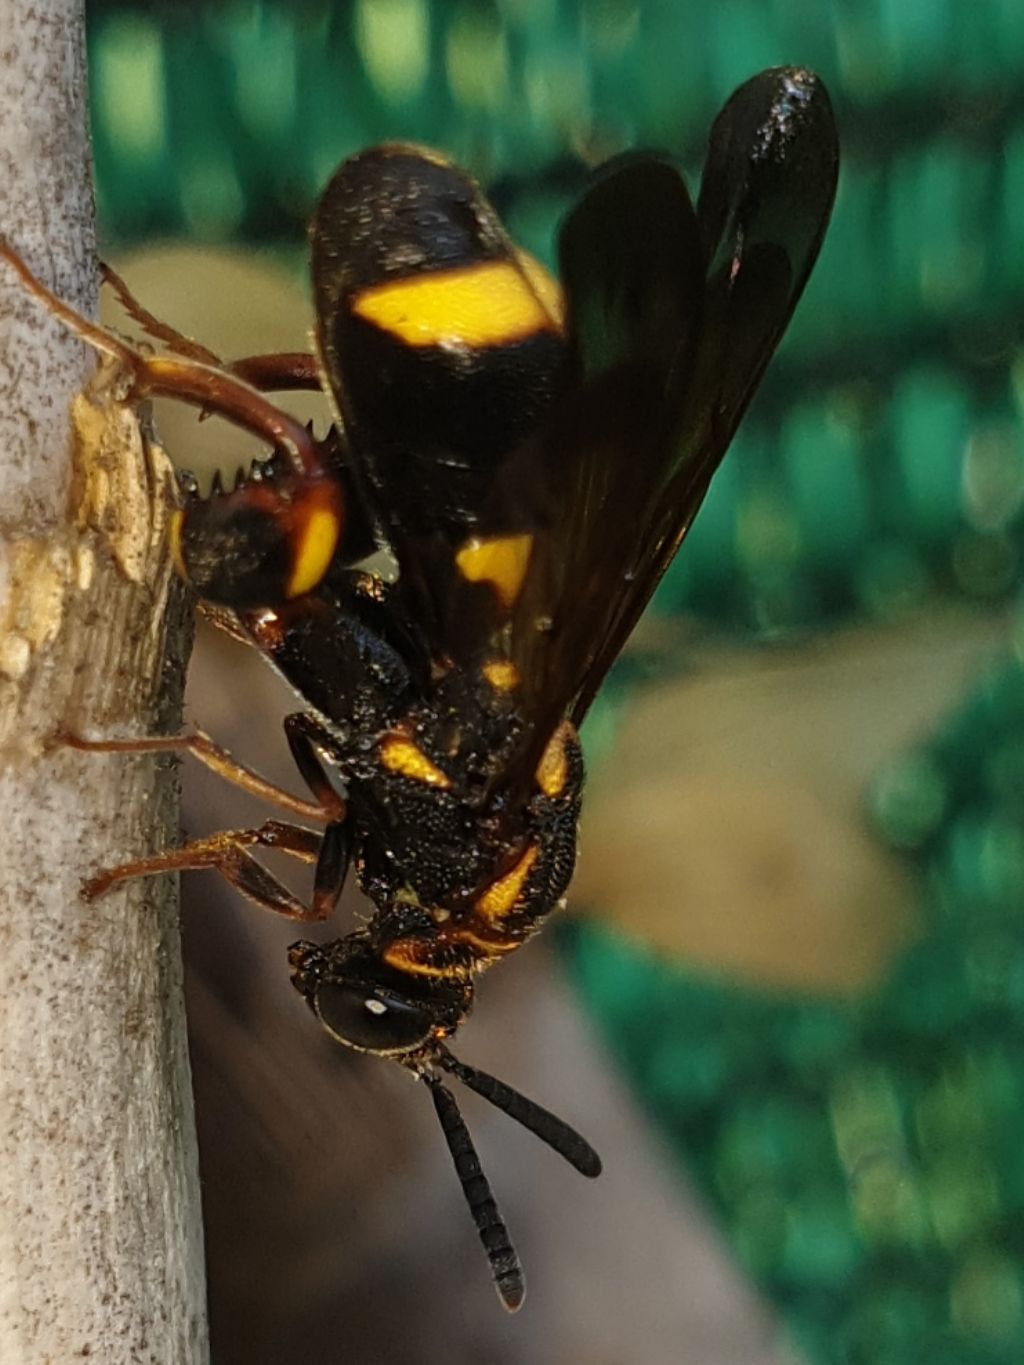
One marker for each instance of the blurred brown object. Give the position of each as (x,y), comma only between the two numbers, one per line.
(727,825)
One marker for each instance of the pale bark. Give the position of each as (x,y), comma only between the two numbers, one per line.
(100,1242)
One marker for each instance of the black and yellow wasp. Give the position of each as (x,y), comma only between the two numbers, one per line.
(529,458)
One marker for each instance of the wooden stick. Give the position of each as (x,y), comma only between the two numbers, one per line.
(100,1235)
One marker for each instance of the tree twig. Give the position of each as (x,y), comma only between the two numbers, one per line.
(100,1241)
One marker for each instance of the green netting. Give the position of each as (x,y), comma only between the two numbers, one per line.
(867,1159)
(223,121)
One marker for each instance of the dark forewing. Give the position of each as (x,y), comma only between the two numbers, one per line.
(534,486)
(765,200)
(671,321)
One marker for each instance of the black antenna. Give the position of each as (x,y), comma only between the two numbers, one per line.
(540,1121)
(506,1271)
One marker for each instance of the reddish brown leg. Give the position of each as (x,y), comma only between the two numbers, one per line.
(328,807)
(185,378)
(331,868)
(281,370)
(284,370)
(226,853)
(152,326)
(221,392)
(303,735)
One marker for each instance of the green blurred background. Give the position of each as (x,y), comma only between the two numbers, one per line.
(850,1100)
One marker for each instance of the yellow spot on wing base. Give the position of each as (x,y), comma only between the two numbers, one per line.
(502,674)
(400,755)
(501,896)
(499,560)
(490,304)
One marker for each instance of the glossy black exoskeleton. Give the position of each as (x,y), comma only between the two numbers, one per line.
(529,461)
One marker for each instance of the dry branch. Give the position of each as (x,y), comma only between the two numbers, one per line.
(100,1242)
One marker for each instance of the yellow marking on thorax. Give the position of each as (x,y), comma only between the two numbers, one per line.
(484,946)
(501,674)
(501,896)
(314,537)
(489,304)
(553,768)
(406,955)
(421,957)
(499,560)
(400,755)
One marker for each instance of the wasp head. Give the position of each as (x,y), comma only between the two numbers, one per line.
(369,1006)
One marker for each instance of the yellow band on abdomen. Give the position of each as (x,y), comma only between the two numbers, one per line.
(478,305)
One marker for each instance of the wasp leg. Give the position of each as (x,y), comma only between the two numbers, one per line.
(226,853)
(152,326)
(222,392)
(187,379)
(304,735)
(283,370)
(331,868)
(223,618)
(329,805)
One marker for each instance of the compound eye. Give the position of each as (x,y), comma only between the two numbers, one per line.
(371,1019)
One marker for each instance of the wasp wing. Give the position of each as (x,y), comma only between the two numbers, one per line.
(534,485)
(672,318)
